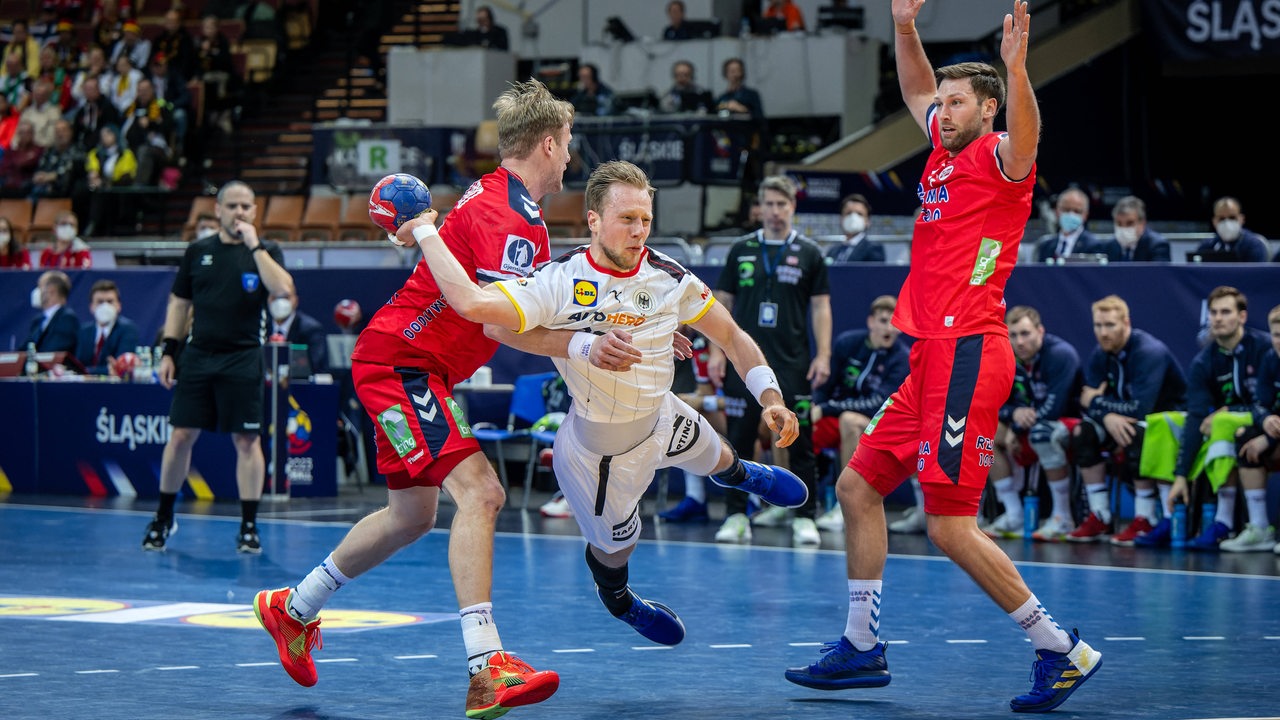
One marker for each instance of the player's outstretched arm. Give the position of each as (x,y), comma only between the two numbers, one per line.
(487,305)
(1022,114)
(915,74)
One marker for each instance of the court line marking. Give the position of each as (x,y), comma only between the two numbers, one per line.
(406,657)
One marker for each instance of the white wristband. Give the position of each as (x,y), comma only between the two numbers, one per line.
(759,379)
(424,231)
(580,345)
(710,403)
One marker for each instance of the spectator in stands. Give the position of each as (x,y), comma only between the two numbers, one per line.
(737,97)
(1259,451)
(171,88)
(60,173)
(1072,237)
(69,52)
(1221,393)
(56,327)
(8,123)
(15,83)
(685,95)
(855,218)
(45,27)
(109,335)
(64,10)
(42,113)
(131,45)
(19,162)
(1134,241)
(13,250)
(787,11)
(95,67)
(174,43)
(593,97)
(1231,241)
(26,46)
(108,165)
(58,77)
(94,113)
(148,132)
(206,226)
(215,70)
(299,328)
(866,367)
(487,33)
(1129,375)
(121,84)
(1042,409)
(108,22)
(675,29)
(68,251)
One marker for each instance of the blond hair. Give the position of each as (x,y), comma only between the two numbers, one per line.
(527,113)
(1113,303)
(781,184)
(1018,312)
(884,302)
(614,172)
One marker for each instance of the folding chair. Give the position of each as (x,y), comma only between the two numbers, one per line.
(527,407)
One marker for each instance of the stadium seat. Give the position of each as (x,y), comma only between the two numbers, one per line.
(18,212)
(565,213)
(321,218)
(284,215)
(355,224)
(200,205)
(47,211)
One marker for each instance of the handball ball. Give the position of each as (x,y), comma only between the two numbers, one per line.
(124,364)
(396,199)
(347,314)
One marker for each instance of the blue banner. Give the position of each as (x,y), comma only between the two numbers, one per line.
(354,159)
(1220,30)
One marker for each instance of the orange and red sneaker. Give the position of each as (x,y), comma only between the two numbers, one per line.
(294,639)
(505,683)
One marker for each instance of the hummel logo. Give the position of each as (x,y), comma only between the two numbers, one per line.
(530,208)
(955,433)
(424,401)
(956,424)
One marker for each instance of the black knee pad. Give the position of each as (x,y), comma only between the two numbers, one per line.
(1086,446)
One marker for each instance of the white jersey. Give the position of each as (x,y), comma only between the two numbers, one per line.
(650,302)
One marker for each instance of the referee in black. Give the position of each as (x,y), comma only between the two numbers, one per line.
(225,279)
(775,284)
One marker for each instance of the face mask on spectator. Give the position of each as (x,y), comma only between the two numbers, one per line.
(4,238)
(104,313)
(64,232)
(1070,221)
(853,223)
(1127,237)
(280,308)
(206,233)
(35,298)
(1228,230)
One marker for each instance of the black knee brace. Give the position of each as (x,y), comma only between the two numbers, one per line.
(1086,446)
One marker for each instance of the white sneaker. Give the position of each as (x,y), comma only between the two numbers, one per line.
(771,516)
(1054,529)
(1008,527)
(1251,539)
(832,520)
(913,522)
(556,507)
(736,529)
(804,531)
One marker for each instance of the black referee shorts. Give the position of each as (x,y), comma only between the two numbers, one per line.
(219,391)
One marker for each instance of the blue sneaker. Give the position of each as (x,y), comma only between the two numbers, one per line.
(653,620)
(844,667)
(689,510)
(775,485)
(1055,675)
(1209,538)
(1159,536)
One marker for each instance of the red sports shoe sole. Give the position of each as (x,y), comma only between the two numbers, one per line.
(303,675)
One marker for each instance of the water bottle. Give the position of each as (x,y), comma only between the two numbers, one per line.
(1178,526)
(1208,514)
(1030,515)
(142,373)
(33,366)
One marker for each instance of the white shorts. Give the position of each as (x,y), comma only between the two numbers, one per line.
(605,490)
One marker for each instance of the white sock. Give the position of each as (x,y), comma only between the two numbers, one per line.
(1009,491)
(1164,489)
(480,635)
(1256,500)
(1041,628)
(1061,491)
(1144,504)
(1099,501)
(1227,506)
(863,624)
(918,492)
(316,588)
(695,487)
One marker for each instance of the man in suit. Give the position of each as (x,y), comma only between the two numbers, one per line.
(299,328)
(109,334)
(55,328)
(1072,238)
(1134,242)
(855,218)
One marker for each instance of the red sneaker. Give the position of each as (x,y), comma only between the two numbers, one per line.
(1091,530)
(506,683)
(1139,526)
(294,639)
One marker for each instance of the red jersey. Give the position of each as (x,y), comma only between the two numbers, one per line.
(496,232)
(965,242)
(75,256)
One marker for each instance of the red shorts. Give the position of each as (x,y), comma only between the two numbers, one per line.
(826,434)
(419,431)
(941,423)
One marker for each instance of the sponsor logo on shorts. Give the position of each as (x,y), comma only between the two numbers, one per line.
(396,426)
(585,293)
(684,433)
(627,528)
(464,428)
(871,426)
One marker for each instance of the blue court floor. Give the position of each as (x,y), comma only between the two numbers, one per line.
(92,627)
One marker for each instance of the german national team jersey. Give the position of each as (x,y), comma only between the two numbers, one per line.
(496,232)
(651,301)
(965,242)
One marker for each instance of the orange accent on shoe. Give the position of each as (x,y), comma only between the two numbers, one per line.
(294,639)
(505,683)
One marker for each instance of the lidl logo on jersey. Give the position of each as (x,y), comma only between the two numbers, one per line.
(585,293)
